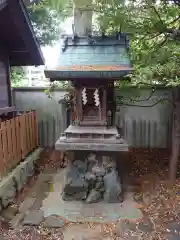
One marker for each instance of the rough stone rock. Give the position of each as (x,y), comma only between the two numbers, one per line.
(90,176)
(8,194)
(90,166)
(112,187)
(75,197)
(30,168)
(72,173)
(91,157)
(99,185)
(33,218)
(23,175)
(99,170)
(108,162)
(77,185)
(53,222)
(99,179)
(76,190)
(80,165)
(146,226)
(94,196)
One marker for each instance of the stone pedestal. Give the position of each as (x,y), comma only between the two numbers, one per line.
(99,138)
(92,170)
(92,177)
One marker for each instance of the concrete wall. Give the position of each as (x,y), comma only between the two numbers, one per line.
(51,115)
(143,126)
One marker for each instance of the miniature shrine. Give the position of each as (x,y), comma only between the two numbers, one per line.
(92,64)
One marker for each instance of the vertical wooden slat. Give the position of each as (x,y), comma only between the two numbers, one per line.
(22,136)
(14,143)
(36,129)
(27,133)
(4,143)
(30,131)
(2,160)
(18,139)
(9,143)
(33,131)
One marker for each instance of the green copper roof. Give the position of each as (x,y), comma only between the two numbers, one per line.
(94,57)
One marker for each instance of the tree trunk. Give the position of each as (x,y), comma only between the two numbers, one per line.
(82,17)
(175,137)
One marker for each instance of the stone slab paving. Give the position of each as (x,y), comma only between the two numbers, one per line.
(53,222)
(81,231)
(172,237)
(81,212)
(16,220)
(33,218)
(26,204)
(52,213)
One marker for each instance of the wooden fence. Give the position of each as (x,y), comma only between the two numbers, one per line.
(18,137)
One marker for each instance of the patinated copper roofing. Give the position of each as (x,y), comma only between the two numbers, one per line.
(92,57)
(17,35)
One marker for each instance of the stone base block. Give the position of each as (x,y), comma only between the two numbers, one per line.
(14,181)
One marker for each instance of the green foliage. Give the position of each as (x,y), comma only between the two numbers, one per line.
(17,76)
(155,37)
(55,85)
(45,20)
(64,8)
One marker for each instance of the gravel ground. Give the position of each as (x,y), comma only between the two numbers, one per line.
(159,202)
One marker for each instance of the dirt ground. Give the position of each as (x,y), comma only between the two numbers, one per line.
(159,203)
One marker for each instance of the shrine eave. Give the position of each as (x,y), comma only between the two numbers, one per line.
(17,35)
(70,75)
